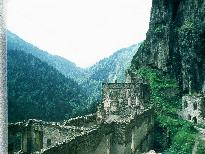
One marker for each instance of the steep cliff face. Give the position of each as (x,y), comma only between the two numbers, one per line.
(175,42)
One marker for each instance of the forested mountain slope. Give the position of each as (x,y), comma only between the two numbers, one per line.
(113,67)
(63,65)
(37,90)
(106,70)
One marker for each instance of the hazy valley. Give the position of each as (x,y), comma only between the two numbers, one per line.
(47,82)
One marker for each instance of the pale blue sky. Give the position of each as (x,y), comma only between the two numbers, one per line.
(83,31)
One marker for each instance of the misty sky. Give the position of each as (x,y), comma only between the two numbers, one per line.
(83,31)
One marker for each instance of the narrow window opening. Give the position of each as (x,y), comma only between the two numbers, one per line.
(185,104)
(48,142)
(189,117)
(195,106)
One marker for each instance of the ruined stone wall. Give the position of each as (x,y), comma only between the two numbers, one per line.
(85,121)
(134,135)
(53,134)
(119,96)
(142,132)
(125,126)
(36,135)
(3,79)
(95,141)
(120,137)
(193,108)
(14,137)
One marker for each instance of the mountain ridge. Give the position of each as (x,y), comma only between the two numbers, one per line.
(37,90)
(110,68)
(14,42)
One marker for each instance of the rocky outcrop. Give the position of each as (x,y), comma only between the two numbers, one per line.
(175,42)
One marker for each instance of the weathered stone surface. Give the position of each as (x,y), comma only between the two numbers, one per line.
(175,42)
(193,108)
(114,137)
(111,138)
(121,100)
(82,121)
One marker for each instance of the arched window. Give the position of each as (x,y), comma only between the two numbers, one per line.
(195,106)
(194,120)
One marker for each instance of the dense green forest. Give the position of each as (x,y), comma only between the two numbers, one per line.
(113,67)
(37,90)
(64,66)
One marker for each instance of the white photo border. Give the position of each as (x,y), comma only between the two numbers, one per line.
(3,82)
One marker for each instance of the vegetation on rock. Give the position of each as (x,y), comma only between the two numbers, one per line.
(172,60)
(172,134)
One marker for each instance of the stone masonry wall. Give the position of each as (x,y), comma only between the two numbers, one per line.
(120,137)
(86,143)
(193,108)
(85,121)
(119,96)
(124,136)
(134,135)
(36,135)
